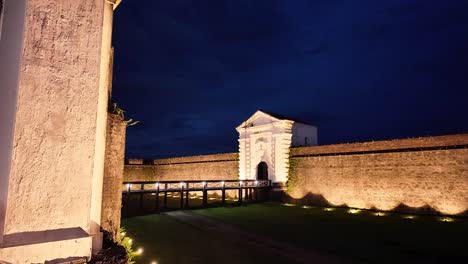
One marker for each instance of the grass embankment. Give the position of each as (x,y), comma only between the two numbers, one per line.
(362,236)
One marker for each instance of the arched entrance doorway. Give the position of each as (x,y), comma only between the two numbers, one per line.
(262,171)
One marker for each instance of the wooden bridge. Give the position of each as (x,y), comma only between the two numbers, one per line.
(246,190)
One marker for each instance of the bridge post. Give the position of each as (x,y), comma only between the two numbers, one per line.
(181,196)
(205,194)
(240,193)
(165,196)
(187,198)
(223,195)
(142,187)
(127,196)
(157,197)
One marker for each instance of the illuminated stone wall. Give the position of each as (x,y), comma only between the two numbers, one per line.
(53,204)
(113,174)
(206,167)
(428,174)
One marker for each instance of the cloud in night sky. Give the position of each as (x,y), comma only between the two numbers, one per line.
(191,71)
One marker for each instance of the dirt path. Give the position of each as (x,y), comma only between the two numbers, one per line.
(254,241)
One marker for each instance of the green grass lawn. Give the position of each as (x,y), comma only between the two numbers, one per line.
(167,241)
(359,238)
(362,237)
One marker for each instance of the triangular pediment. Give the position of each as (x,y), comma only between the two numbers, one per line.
(259,118)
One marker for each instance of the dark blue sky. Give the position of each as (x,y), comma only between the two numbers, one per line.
(192,70)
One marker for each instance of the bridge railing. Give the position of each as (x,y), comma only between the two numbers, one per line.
(247,189)
(171,186)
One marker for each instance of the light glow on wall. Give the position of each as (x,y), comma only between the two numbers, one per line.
(410,217)
(354,211)
(393,184)
(329,209)
(446,219)
(306,207)
(380,214)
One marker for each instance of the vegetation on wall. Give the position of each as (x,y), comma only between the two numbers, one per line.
(292,175)
(116,110)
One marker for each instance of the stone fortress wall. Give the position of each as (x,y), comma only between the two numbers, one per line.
(429,174)
(205,167)
(424,174)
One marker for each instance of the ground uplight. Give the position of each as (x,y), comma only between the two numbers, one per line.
(140,251)
(354,211)
(446,219)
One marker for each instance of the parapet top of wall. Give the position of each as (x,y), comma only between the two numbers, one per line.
(190,159)
(412,143)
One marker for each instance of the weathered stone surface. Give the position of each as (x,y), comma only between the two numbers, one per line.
(55,181)
(113,174)
(56,117)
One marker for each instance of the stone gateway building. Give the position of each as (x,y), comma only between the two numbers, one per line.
(264,142)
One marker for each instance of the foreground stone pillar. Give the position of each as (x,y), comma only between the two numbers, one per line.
(52,155)
(113,175)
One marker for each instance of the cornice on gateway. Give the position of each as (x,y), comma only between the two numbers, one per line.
(287,124)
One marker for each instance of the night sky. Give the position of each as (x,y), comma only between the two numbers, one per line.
(192,70)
